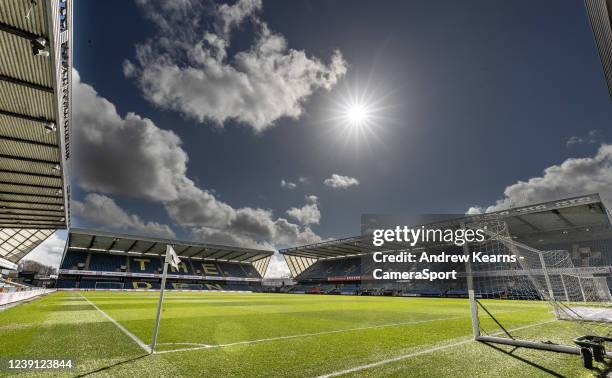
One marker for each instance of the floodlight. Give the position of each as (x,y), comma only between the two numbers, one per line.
(50,127)
(39,46)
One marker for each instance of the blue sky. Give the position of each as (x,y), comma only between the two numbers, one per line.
(471,101)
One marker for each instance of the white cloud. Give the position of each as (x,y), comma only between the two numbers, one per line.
(186,66)
(307,214)
(340,182)
(592,137)
(270,233)
(102,211)
(233,15)
(475,210)
(573,177)
(288,184)
(50,251)
(130,156)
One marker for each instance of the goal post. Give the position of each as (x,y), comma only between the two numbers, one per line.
(108,285)
(537,277)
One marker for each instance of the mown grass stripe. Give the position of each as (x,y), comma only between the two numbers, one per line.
(278,338)
(419,353)
(140,343)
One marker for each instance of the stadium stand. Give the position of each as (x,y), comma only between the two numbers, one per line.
(579,225)
(74,261)
(97,260)
(146,264)
(35,128)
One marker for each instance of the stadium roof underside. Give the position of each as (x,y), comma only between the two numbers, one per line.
(534,225)
(34,114)
(599,13)
(16,243)
(103,242)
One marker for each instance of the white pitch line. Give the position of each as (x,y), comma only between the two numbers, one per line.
(140,343)
(419,353)
(247,342)
(197,344)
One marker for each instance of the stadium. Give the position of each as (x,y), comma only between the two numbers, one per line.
(119,306)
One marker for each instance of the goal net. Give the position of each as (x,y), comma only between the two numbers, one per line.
(537,298)
(105,285)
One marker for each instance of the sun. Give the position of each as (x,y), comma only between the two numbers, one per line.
(357,114)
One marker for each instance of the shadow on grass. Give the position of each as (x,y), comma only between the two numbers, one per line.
(113,365)
(604,369)
(530,363)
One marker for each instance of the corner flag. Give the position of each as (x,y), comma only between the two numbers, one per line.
(171,257)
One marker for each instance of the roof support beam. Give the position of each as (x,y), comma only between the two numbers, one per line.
(24,116)
(91,242)
(305,254)
(212,256)
(30,174)
(18,32)
(23,83)
(29,160)
(41,217)
(28,203)
(26,141)
(12,210)
(322,252)
(150,248)
(199,252)
(5,219)
(30,185)
(131,246)
(112,244)
(58,196)
(223,256)
(28,221)
(563,218)
(36,226)
(237,257)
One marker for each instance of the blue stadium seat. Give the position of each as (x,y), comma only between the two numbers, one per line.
(106,262)
(66,283)
(72,259)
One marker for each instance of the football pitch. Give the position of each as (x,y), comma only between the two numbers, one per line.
(243,334)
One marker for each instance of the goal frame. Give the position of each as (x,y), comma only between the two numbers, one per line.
(511,340)
(121,287)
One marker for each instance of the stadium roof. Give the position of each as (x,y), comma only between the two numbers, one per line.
(35,64)
(16,243)
(599,13)
(533,225)
(117,243)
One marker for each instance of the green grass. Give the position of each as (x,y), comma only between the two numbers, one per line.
(307,335)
